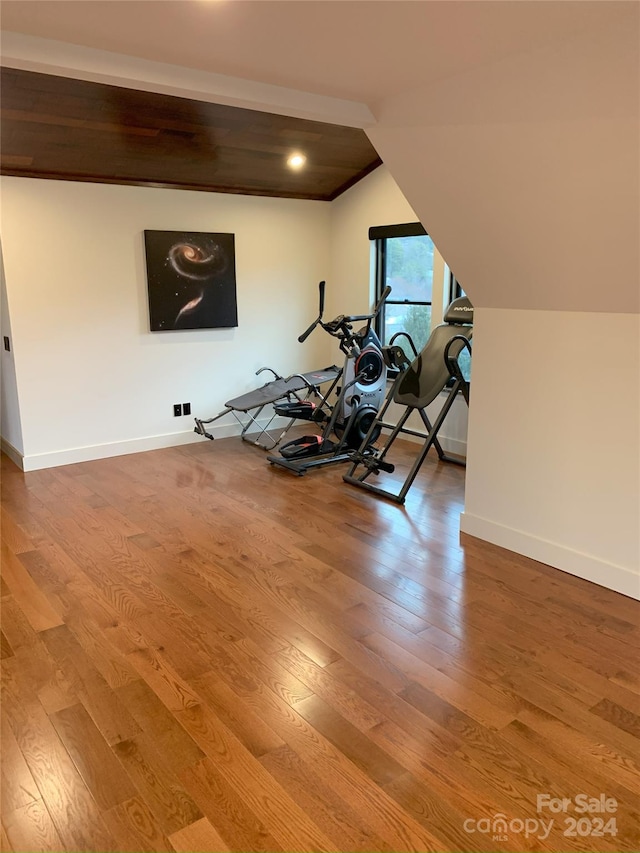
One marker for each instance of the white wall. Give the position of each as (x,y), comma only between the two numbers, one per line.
(375,200)
(92,380)
(526,173)
(10,426)
(554,451)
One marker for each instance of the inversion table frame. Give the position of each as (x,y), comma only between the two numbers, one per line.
(416,386)
(253,402)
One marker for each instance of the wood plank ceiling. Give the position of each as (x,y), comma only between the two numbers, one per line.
(66,129)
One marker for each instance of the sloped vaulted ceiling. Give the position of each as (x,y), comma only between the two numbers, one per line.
(358,51)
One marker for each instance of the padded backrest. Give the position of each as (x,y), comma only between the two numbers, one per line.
(460,311)
(427,374)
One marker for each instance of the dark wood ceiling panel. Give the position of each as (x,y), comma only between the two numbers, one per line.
(65,129)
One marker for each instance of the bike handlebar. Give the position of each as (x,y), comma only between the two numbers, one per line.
(303,337)
(382,300)
(376,310)
(341,323)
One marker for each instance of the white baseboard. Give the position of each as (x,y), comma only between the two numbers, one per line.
(449,445)
(453,445)
(614,577)
(228,429)
(38,461)
(14,455)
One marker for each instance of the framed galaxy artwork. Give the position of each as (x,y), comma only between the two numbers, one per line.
(191,277)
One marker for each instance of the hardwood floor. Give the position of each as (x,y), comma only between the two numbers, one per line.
(203,653)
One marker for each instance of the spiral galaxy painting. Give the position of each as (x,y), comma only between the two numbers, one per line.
(191,278)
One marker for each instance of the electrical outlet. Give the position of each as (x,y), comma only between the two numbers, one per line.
(177,410)
(186,408)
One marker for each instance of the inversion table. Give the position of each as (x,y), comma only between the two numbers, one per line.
(419,382)
(248,407)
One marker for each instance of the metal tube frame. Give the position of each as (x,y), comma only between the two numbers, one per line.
(374,463)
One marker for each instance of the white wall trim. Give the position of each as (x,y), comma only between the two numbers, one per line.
(585,566)
(450,445)
(453,445)
(12,452)
(48,56)
(38,461)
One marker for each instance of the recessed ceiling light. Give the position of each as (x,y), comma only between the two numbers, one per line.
(296,161)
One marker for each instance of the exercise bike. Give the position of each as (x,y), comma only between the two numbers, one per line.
(361,392)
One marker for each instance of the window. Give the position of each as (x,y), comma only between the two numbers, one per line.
(455,288)
(404,261)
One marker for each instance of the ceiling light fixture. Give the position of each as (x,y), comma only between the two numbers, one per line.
(296,161)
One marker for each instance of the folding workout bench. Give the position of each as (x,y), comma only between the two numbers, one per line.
(247,408)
